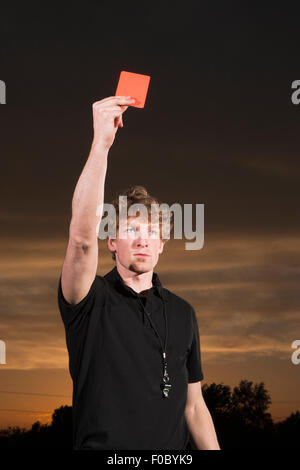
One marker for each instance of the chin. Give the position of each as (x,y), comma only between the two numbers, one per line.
(139,268)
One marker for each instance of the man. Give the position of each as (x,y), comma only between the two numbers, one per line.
(134,352)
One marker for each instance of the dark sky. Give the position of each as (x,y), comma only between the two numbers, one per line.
(218,128)
(218,118)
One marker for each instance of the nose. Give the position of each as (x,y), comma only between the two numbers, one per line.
(141,240)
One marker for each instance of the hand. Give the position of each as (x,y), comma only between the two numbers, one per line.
(107,117)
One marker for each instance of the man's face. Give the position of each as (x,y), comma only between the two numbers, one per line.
(137,246)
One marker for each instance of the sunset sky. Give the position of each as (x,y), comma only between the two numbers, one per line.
(218,128)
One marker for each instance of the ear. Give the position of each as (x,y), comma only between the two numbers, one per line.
(161,247)
(111,244)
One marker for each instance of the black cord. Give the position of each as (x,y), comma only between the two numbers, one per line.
(166,322)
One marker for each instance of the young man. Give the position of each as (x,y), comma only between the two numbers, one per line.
(134,352)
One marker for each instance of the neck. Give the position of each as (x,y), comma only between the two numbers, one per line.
(137,281)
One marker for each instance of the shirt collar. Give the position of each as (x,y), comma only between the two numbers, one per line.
(115,277)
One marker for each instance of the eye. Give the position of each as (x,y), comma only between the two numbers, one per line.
(129,228)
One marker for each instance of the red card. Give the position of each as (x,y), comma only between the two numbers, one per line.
(134,85)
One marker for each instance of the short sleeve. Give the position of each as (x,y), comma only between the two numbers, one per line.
(194,366)
(73,315)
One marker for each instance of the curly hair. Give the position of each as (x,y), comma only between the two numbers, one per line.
(139,195)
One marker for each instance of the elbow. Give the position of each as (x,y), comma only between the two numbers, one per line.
(189,412)
(196,406)
(81,237)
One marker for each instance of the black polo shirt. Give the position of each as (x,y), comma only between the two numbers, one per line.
(116,365)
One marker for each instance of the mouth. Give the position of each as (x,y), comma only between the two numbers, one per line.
(141,254)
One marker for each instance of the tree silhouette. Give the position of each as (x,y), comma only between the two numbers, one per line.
(251,403)
(240,416)
(61,426)
(288,431)
(217,397)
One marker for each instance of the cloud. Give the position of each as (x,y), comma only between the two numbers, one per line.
(281,168)
(244,291)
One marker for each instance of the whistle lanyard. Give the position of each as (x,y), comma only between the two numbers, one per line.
(165,386)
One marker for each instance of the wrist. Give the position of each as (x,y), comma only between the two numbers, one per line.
(99,146)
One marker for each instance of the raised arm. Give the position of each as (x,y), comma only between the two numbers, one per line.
(81,260)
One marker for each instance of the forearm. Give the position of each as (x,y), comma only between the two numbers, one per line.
(89,195)
(202,428)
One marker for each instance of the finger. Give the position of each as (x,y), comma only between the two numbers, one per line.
(114,98)
(113,115)
(117,121)
(110,108)
(126,100)
(109,113)
(121,108)
(113,109)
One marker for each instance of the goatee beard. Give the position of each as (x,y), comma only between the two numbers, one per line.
(132,267)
